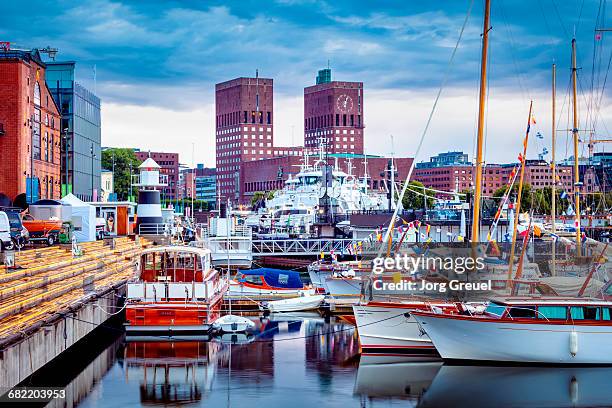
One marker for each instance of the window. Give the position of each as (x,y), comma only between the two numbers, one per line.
(337,119)
(495,309)
(584,312)
(523,311)
(606,312)
(552,312)
(269,118)
(344,120)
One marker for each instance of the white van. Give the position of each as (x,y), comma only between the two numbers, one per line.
(5,232)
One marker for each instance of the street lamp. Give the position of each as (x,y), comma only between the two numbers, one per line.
(93,156)
(130,183)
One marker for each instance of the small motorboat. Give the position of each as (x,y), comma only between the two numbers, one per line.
(267,284)
(177,291)
(297,304)
(233,324)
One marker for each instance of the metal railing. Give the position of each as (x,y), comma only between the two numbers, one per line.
(154,229)
(296,247)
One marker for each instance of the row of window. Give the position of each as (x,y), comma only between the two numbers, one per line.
(554,312)
(324,121)
(235,118)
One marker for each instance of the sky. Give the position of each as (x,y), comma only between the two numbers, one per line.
(156,63)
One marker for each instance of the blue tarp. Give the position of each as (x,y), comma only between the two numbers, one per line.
(278,278)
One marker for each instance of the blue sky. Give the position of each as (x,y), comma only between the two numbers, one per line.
(157,62)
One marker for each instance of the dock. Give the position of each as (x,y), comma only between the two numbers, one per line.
(52,299)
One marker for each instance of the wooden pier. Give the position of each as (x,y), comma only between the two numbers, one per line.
(52,299)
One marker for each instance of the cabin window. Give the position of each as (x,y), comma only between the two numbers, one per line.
(254,279)
(605,313)
(584,312)
(552,312)
(150,262)
(496,309)
(523,311)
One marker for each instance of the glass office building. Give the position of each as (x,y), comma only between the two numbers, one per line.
(81,152)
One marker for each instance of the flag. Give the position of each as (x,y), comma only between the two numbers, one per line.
(584,237)
(533,121)
(495,249)
(427,229)
(563,195)
(520,157)
(576,223)
(322,255)
(554,237)
(397,277)
(525,143)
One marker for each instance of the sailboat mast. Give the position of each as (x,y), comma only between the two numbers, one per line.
(554,142)
(517,211)
(575,133)
(481,124)
(553,168)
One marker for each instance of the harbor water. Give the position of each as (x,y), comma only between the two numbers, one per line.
(297,360)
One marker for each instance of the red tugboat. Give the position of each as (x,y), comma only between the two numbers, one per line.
(177,291)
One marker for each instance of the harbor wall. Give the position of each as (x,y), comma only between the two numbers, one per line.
(22,357)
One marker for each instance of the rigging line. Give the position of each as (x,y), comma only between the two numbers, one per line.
(431,114)
(595,53)
(513,48)
(567,35)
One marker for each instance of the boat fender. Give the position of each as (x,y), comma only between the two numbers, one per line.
(573,343)
(574,390)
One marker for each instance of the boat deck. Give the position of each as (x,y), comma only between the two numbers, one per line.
(49,281)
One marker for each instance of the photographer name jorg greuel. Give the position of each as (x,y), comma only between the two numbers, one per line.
(427,286)
(412,264)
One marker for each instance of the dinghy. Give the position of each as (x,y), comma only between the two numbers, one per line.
(233,324)
(294,304)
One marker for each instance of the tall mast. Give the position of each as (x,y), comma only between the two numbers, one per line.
(517,211)
(553,168)
(575,133)
(554,142)
(481,120)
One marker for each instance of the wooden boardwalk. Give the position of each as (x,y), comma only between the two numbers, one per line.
(49,281)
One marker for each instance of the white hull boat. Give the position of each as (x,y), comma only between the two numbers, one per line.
(233,324)
(385,328)
(295,304)
(556,331)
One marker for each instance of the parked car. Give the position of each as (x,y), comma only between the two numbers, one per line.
(19,234)
(5,232)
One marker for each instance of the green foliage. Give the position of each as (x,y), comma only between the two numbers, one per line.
(414,199)
(123,158)
(186,202)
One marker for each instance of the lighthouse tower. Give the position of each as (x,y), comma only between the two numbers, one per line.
(149,199)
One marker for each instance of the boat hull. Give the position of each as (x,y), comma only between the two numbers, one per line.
(464,338)
(164,317)
(387,330)
(296,304)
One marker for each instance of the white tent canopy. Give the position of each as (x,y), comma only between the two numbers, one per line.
(83,218)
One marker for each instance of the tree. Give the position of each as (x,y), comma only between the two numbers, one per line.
(122,158)
(414,199)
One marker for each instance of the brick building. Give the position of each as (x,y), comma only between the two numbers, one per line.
(333,110)
(244,129)
(169,163)
(443,174)
(30,141)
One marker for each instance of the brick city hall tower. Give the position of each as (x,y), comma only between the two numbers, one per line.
(244,129)
(333,110)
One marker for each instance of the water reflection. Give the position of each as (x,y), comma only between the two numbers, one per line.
(301,360)
(481,386)
(380,378)
(291,357)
